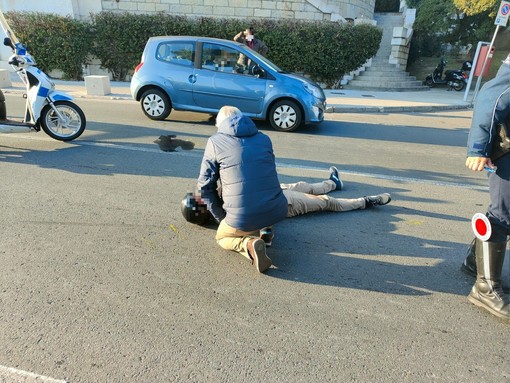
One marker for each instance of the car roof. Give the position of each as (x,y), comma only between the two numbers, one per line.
(195,38)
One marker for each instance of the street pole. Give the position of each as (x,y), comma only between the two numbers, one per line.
(472,71)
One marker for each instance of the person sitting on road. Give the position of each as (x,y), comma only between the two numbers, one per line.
(238,189)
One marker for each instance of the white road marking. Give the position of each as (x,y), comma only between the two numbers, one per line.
(390,178)
(12,373)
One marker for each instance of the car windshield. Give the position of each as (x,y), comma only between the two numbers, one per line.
(268,63)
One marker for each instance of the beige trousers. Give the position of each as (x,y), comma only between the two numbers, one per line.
(302,198)
(305,198)
(233,239)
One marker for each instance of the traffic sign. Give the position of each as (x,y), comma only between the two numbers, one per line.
(503,13)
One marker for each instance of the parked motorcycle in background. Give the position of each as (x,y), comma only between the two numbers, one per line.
(45,108)
(454,79)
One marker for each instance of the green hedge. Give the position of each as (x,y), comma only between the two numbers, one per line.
(322,50)
(56,42)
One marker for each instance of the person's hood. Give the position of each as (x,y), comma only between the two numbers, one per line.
(238,126)
(495,87)
(507,60)
(504,70)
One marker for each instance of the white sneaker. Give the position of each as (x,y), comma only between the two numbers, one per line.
(375,200)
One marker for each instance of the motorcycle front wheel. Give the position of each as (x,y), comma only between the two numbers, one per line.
(428,81)
(70,126)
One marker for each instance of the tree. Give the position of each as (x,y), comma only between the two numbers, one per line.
(474,7)
(435,16)
(441,22)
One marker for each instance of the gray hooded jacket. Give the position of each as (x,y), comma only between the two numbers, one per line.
(492,106)
(242,159)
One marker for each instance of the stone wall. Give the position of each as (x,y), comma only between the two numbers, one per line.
(74,8)
(335,10)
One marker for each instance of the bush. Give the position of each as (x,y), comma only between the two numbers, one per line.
(322,50)
(56,42)
(120,37)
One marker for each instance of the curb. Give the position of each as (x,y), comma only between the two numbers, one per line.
(329,109)
(109,96)
(396,109)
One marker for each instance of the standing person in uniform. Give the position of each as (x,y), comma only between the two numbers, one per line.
(492,107)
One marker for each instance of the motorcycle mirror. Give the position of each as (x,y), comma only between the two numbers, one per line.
(8,42)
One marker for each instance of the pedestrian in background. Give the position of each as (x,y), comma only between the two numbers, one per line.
(248,37)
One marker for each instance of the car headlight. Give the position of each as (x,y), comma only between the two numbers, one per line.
(313,90)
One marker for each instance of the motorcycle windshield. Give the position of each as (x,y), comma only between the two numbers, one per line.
(7,29)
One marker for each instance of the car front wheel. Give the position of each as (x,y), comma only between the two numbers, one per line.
(155,104)
(285,116)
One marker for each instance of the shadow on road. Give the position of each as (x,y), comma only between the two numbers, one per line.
(394,133)
(359,250)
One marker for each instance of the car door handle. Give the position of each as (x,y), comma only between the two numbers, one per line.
(192,78)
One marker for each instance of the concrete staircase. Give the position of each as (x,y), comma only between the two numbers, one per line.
(382,75)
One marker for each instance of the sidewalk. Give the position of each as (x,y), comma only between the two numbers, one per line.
(359,101)
(338,100)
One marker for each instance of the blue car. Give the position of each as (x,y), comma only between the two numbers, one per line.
(203,74)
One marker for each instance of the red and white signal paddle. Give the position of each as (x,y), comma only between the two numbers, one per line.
(481,226)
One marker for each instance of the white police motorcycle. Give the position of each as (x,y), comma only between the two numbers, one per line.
(46,109)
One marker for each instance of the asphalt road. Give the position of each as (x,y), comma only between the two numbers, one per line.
(102,280)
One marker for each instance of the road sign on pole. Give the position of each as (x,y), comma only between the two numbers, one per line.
(501,21)
(503,13)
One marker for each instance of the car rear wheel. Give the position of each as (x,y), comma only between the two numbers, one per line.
(458,85)
(155,104)
(285,116)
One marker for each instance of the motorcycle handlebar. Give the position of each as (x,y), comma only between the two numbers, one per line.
(14,61)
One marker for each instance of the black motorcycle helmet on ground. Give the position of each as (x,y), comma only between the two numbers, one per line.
(194,211)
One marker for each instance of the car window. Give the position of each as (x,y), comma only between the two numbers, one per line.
(220,58)
(182,53)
